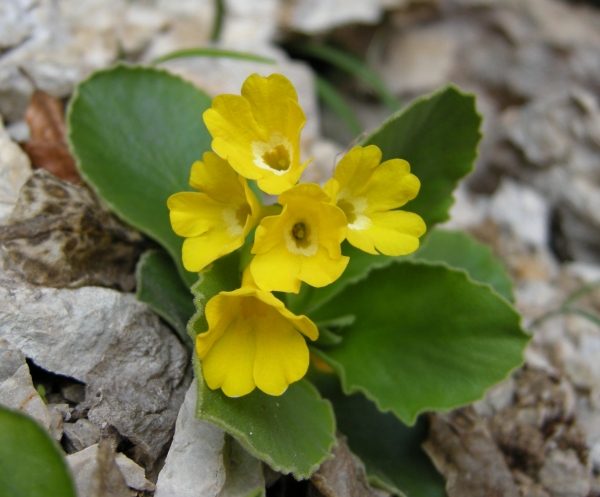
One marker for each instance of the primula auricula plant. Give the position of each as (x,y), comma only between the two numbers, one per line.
(351,277)
(252,339)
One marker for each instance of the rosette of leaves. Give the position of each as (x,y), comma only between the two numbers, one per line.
(402,335)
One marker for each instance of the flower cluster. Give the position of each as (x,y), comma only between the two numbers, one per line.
(253,340)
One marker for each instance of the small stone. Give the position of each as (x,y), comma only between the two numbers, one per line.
(134,475)
(497,398)
(57,414)
(80,435)
(17,392)
(15,168)
(88,466)
(317,16)
(419,59)
(563,475)
(10,360)
(523,210)
(74,392)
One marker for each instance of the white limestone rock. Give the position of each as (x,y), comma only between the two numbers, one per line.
(18,393)
(317,16)
(15,168)
(523,210)
(195,464)
(133,365)
(84,465)
(420,59)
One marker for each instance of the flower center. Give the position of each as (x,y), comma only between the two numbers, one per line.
(301,235)
(242,214)
(300,239)
(278,158)
(251,307)
(236,220)
(354,208)
(348,208)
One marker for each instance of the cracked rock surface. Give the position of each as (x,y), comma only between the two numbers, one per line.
(133,366)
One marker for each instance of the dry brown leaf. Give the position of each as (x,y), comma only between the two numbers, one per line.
(48,148)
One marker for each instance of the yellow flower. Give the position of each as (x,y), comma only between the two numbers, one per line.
(367,192)
(253,340)
(216,221)
(259,131)
(300,244)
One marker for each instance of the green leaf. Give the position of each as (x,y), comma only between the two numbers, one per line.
(309,299)
(135,133)
(159,285)
(438,135)
(292,433)
(390,450)
(462,251)
(212,52)
(31,463)
(426,337)
(458,250)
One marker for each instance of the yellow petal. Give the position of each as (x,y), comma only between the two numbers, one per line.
(302,191)
(274,185)
(331,225)
(199,251)
(396,232)
(276,270)
(320,269)
(301,323)
(194,213)
(269,233)
(219,311)
(269,100)
(332,188)
(391,186)
(215,177)
(362,240)
(259,132)
(229,364)
(281,355)
(355,168)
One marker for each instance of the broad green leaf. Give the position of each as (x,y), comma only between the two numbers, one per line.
(135,133)
(292,433)
(361,264)
(31,463)
(159,285)
(460,250)
(390,450)
(426,337)
(438,135)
